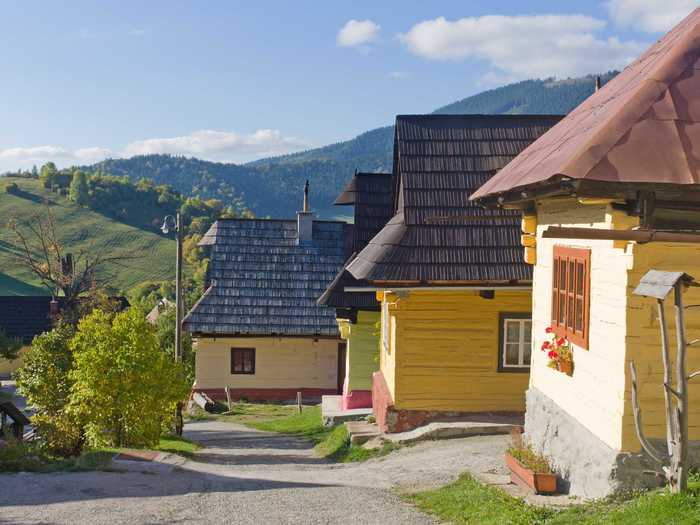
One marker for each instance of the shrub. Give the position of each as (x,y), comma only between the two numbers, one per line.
(44,380)
(125,388)
(12,188)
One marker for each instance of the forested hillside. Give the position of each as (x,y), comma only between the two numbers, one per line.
(273,186)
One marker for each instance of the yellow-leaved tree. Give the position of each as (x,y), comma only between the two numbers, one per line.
(125,387)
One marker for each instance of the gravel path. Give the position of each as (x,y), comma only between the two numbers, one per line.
(245,476)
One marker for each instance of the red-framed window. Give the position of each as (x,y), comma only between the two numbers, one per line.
(571,286)
(243,360)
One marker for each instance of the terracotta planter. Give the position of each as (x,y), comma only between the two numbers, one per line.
(539,482)
(566,367)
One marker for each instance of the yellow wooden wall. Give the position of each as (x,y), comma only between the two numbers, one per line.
(622,326)
(445,354)
(10,367)
(279,363)
(362,351)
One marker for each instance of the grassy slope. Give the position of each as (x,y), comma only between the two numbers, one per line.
(469,502)
(80,228)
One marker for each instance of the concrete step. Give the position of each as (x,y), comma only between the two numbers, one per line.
(332,412)
(362,431)
(450,430)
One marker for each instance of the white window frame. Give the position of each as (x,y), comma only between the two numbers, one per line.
(521,322)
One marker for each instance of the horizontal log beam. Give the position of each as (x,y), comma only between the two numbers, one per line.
(556,232)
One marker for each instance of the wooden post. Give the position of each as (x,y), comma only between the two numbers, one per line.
(679,460)
(228,399)
(299,401)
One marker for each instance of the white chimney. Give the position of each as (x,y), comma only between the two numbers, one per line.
(305,220)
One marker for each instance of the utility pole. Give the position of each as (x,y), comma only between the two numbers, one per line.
(168,223)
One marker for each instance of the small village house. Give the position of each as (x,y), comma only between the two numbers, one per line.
(357,314)
(21,319)
(604,195)
(455,293)
(257,329)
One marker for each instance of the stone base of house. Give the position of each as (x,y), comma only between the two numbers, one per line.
(586,465)
(390,419)
(309,395)
(357,399)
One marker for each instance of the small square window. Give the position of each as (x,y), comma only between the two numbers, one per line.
(515,346)
(242,360)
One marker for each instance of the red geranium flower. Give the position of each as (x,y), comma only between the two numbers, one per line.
(561,341)
(552,354)
(546,345)
(548,329)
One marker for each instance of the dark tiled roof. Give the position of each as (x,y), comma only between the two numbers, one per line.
(24,317)
(263,283)
(437,235)
(642,127)
(372,196)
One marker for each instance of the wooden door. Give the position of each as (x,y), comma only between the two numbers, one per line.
(342,352)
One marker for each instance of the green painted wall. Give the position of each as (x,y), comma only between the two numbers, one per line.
(363,351)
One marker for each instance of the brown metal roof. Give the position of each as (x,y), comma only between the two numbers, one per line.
(642,127)
(436,234)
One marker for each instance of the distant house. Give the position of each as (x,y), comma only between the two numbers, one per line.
(257,329)
(159,309)
(358,313)
(22,318)
(604,195)
(455,293)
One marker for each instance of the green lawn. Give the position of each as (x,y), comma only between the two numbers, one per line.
(332,443)
(80,228)
(469,502)
(178,445)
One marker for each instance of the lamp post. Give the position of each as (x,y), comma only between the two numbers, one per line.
(170,223)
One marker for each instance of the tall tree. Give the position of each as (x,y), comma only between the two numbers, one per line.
(79,188)
(47,174)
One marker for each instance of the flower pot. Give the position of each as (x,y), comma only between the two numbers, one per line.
(566,367)
(539,482)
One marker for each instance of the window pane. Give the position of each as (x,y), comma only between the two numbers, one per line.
(571,276)
(562,276)
(527,351)
(579,314)
(527,327)
(580,269)
(570,316)
(562,307)
(512,332)
(555,273)
(512,354)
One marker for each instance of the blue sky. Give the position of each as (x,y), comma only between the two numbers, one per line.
(235,81)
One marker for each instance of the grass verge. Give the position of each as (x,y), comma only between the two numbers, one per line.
(178,445)
(251,413)
(29,457)
(331,442)
(467,502)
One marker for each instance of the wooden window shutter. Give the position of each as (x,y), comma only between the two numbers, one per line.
(571,278)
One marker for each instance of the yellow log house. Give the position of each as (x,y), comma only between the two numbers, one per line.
(455,293)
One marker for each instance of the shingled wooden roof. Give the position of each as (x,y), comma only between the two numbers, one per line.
(436,235)
(371,194)
(263,283)
(641,129)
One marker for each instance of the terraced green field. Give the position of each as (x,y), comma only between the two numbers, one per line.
(80,228)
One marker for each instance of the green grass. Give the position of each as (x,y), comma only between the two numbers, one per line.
(178,445)
(467,502)
(29,457)
(253,413)
(80,228)
(330,442)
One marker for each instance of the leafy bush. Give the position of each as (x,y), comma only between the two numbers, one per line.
(44,380)
(125,387)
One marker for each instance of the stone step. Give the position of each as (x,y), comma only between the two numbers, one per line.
(362,431)
(450,430)
(332,412)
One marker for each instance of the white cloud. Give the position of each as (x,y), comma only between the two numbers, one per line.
(92,154)
(357,33)
(34,153)
(218,145)
(520,47)
(652,16)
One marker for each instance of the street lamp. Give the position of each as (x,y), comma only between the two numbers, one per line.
(174,223)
